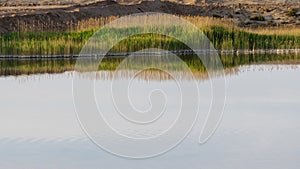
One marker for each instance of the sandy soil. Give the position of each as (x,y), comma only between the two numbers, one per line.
(68,2)
(57,15)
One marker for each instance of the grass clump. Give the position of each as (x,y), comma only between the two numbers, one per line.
(292,12)
(257,18)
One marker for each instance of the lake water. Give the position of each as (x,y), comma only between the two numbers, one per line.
(260,127)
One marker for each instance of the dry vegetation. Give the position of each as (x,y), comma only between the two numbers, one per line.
(59,15)
(201,22)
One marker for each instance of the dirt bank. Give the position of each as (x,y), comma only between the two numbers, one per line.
(59,17)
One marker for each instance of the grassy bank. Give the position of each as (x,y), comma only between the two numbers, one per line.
(223,34)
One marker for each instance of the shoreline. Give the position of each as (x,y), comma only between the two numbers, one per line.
(180,52)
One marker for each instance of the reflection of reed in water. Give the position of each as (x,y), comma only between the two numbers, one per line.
(22,79)
(15,67)
(148,75)
(155,74)
(159,75)
(108,75)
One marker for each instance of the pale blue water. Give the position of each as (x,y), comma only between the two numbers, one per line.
(260,128)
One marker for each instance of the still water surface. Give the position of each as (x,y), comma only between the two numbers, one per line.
(260,128)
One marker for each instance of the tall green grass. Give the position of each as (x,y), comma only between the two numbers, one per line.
(44,43)
(70,43)
(231,39)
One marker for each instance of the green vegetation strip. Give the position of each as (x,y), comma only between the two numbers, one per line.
(70,43)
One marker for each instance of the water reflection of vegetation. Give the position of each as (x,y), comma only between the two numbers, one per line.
(40,66)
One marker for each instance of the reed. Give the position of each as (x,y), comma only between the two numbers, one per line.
(45,43)
(222,32)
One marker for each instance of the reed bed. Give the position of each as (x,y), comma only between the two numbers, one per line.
(35,40)
(44,43)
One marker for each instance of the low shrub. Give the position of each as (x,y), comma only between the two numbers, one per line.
(257,18)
